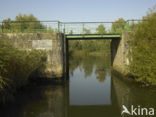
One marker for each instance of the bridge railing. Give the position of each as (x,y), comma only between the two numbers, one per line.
(68,27)
(29,26)
(87,27)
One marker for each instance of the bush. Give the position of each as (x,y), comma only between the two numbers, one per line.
(16,66)
(143,66)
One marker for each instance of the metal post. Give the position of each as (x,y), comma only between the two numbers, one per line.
(83,28)
(2,27)
(64,29)
(127,25)
(58,26)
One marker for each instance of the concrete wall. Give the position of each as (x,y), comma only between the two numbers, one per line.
(52,43)
(120,53)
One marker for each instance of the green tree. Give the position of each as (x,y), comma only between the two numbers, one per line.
(27,22)
(6,24)
(118,26)
(101,29)
(86,31)
(71,32)
(23,22)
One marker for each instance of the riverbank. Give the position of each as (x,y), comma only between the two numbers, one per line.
(129,79)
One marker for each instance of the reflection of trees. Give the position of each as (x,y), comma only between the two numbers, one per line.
(101,74)
(84,62)
(87,63)
(50,105)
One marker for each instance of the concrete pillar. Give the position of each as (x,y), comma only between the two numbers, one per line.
(120,53)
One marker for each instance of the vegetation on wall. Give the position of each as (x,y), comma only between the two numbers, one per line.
(15,67)
(143,64)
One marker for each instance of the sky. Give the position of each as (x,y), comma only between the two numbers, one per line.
(76,10)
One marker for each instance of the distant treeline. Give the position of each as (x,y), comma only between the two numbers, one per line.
(89,46)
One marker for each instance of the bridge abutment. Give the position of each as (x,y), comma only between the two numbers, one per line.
(51,43)
(120,53)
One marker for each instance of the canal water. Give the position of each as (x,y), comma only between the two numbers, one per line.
(91,91)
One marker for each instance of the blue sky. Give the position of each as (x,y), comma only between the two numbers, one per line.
(76,10)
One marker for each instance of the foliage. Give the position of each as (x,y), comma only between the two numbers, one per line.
(86,31)
(16,66)
(133,26)
(118,26)
(89,45)
(101,29)
(71,32)
(23,23)
(143,64)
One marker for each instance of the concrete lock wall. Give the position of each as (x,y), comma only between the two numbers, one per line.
(120,53)
(52,43)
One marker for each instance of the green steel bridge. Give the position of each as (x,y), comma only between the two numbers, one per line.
(88,30)
(92,36)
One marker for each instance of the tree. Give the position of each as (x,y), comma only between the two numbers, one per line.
(27,22)
(101,29)
(86,31)
(71,32)
(118,26)
(23,23)
(6,24)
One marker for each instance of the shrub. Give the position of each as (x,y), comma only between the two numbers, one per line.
(143,65)
(16,66)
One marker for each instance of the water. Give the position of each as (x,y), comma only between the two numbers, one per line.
(91,91)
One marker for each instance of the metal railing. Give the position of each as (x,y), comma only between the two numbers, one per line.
(67,27)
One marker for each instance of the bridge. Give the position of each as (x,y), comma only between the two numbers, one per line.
(52,37)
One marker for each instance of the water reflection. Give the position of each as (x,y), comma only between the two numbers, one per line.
(89,90)
(42,101)
(92,91)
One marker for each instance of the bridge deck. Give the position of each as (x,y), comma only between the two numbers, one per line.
(92,36)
